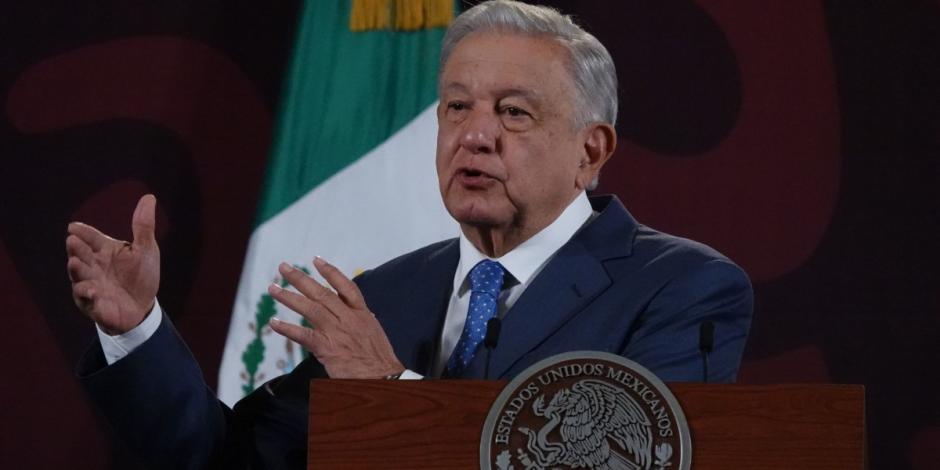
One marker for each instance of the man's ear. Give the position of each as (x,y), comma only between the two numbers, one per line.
(600,140)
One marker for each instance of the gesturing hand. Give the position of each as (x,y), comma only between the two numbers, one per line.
(115,282)
(346,338)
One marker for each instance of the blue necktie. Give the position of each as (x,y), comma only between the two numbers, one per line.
(486,280)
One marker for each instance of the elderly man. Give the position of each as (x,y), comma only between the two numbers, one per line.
(526,113)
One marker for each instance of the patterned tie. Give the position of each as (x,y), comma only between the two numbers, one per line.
(486,280)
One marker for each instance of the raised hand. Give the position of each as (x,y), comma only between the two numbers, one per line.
(346,338)
(115,282)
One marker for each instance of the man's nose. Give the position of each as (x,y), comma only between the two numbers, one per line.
(480,132)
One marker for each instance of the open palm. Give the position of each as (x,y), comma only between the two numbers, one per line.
(115,282)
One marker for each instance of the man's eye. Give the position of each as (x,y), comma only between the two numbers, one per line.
(513,111)
(456,106)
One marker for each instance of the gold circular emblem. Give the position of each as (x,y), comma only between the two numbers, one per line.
(586,409)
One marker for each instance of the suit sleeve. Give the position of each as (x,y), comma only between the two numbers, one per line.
(666,339)
(158,402)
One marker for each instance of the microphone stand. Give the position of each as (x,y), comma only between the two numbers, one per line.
(706,341)
(489,342)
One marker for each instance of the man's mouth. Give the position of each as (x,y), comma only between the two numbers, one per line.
(474,178)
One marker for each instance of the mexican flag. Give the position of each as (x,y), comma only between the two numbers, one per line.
(351,177)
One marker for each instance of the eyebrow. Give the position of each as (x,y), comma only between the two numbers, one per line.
(501,93)
(454,86)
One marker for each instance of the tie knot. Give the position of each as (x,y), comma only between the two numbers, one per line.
(487,277)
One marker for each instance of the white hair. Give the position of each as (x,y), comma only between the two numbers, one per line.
(591,67)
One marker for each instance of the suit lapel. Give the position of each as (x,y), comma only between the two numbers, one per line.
(563,288)
(574,277)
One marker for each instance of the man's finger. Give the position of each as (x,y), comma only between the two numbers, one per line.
(347,290)
(84,290)
(78,270)
(311,288)
(298,334)
(316,314)
(90,235)
(74,246)
(144,222)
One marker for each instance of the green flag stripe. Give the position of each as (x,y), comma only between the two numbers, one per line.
(345,94)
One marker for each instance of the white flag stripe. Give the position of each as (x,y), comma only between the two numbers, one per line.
(385,204)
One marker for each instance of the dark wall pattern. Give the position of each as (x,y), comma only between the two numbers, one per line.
(801,138)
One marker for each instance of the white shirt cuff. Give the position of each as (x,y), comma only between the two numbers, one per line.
(117,346)
(410,375)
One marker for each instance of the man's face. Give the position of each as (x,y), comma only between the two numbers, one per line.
(507,149)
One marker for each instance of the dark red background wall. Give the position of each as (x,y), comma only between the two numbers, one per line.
(801,138)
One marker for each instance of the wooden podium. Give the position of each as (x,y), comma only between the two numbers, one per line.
(382,424)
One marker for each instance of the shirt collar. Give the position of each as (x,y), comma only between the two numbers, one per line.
(526,260)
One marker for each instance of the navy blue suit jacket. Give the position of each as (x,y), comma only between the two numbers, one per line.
(616,286)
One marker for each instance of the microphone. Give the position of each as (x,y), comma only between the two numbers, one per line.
(706,341)
(490,340)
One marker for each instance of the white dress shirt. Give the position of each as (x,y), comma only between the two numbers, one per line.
(117,346)
(522,265)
